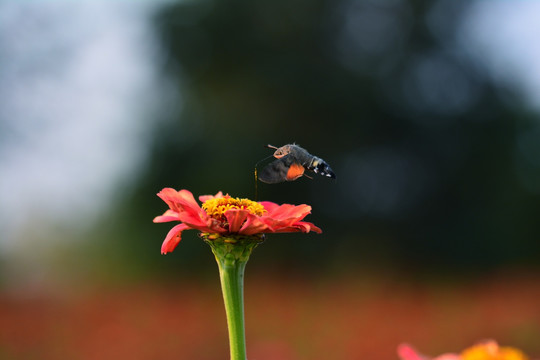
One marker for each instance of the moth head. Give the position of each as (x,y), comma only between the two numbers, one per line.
(281,151)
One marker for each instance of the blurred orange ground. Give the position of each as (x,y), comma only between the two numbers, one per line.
(291,318)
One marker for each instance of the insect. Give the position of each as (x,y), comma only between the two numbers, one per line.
(292,161)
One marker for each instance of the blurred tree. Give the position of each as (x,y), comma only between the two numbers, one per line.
(423,148)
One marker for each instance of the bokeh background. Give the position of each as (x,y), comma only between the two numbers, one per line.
(426,110)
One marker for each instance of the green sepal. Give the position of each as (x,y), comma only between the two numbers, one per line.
(230,248)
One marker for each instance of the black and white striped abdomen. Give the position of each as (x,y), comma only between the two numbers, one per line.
(319,166)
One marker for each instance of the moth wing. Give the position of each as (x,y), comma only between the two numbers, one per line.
(295,171)
(275,172)
(282,169)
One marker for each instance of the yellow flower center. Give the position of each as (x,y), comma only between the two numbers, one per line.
(491,351)
(217,207)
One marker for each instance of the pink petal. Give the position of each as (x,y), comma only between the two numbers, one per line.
(169,215)
(313,228)
(285,216)
(209,225)
(268,205)
(174,198)
(235,218)
(406,352)
(277,225)
(254,225)
(204,198)
(289,212)
(309,226)
(183,203)
(301,226)
(179,201)
(173,238)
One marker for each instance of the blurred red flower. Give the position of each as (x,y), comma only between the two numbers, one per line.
(487,350)
(224,215)
(407,352)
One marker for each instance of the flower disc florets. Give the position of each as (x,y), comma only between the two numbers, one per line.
(217,207)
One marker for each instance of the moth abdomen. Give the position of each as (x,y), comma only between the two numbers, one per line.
(319,166)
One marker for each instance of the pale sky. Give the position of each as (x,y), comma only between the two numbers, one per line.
(78,85)
(503,38)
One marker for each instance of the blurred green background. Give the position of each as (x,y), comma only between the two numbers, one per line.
(427,111)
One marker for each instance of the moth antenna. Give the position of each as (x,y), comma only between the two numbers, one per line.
(309,177)
(272,147)
(260,161)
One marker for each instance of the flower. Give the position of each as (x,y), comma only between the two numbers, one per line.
(407,352)
(490,350)
(223,215)
(487,350)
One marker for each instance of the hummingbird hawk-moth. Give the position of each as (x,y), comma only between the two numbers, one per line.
(291,163)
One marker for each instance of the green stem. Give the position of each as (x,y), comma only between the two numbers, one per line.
(232,286)
(232,256)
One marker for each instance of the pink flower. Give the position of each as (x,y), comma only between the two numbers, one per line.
(224,215)
(407,352)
